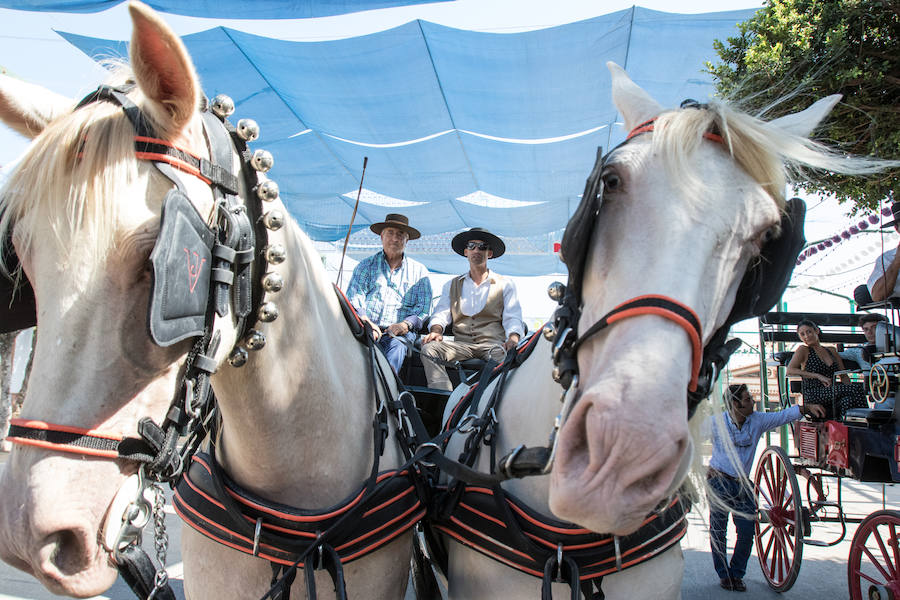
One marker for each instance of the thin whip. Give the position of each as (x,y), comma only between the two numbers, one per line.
(352,218)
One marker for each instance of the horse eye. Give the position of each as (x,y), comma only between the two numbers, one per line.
(611,181)
(770,234)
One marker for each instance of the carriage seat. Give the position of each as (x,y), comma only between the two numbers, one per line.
(887,337)
(884,412)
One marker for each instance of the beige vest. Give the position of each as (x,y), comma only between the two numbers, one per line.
(487,325)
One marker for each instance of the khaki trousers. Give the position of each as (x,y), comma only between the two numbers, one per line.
(448,351)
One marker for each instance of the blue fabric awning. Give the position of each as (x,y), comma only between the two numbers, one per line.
(221,9)
(461,128)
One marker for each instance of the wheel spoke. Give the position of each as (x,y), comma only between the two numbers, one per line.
(895,547)
(884,553)
(765,495)
(767,475)
(876,563)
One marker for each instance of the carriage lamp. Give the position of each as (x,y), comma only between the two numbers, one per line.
(267,312)
(273,220)
(222,106)
(275,254)
(238,357)
(267,190)
(255,340)
(272,282)
(262,160)
(556,291)
(247,130)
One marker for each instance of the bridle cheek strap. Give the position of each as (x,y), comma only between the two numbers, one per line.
(662,306)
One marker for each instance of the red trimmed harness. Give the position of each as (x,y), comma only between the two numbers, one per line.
(214,505)
(477,512)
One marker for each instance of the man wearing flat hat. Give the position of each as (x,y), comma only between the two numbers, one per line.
(481,305)
(390,290)
(883,282)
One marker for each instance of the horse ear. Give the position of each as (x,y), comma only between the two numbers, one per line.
(635,105)
(803,122)
(29,108)
(163,68)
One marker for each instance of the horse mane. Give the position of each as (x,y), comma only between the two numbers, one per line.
(770,155)
(71,175)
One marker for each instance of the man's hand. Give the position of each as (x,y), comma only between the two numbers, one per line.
(813,410)
(512,342)
(398,329)
(376,331)
(434,335)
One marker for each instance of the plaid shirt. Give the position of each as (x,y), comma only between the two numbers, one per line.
(386,296)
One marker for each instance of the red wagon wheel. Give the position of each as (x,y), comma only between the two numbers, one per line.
(779,535)
(873,570)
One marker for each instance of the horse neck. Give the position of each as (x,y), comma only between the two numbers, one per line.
(529,406)
(297,418)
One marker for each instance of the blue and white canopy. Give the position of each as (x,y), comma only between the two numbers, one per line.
(460,128)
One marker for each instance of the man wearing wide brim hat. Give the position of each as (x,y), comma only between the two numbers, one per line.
(391,291)
(481,305)
(883,282)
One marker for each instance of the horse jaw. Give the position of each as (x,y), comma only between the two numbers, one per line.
(634,103)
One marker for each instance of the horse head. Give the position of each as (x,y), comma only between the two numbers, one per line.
(685,207)
(84,214)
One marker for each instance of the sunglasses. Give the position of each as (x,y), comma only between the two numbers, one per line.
(478,246)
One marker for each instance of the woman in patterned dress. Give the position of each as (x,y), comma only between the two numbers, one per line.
(816,365)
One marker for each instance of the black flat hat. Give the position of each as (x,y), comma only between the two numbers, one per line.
(477,233)
(400,222)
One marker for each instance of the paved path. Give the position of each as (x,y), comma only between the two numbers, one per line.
(823,575)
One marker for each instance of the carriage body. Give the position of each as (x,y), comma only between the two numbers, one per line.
(864,446)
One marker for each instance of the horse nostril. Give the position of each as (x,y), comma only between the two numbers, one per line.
(67,552)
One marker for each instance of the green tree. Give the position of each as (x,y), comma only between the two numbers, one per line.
(807,49)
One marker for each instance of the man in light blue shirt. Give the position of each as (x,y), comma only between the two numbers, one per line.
(391,291)
(743,427)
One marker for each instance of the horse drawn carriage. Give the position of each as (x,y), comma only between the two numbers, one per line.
(863,446)
(170,261)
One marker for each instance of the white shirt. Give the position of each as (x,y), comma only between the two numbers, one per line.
(472,299)
(878,272)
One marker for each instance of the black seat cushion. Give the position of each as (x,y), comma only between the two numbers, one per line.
(783,357)
(861,295)
(870,415)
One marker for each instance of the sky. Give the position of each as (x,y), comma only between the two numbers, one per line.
(30,49)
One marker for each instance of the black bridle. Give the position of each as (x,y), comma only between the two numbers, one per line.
(761,287)
(231,250)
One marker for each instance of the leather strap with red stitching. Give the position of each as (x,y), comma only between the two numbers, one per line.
(663,306)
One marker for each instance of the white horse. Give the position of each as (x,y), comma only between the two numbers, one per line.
(683,215)
(84,214)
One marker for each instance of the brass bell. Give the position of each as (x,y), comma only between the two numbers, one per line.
(556,291)
(238,357)
(273,220)
(275,254)
(267,190)
(267,312)
(222,106)
(247,130)
(262,160)
(549,332)
(272,282)
(255,340)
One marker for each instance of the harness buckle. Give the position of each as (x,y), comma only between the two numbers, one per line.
(559,559)
(561,340)
(508,461)
(467,424)
(427,445)
(256,534)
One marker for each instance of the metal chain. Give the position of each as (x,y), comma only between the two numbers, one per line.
(160,540)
